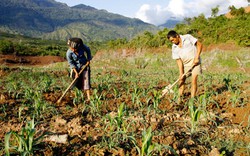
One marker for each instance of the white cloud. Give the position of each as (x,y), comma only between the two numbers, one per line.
(153,14)
(177,7)
(157,14)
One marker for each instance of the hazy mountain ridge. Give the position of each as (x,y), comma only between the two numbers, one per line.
(53,20)
(171,23)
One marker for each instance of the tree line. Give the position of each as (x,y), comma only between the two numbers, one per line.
(212,30)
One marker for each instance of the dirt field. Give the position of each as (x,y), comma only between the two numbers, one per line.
(13,60)
(83,131)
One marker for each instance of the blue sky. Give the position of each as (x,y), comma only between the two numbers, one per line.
(158,11)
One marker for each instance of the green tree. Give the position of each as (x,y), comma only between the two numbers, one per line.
(6,47)
(215,11)
(188,20)
(236,12)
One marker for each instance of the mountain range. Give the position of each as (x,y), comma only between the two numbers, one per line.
(49,19)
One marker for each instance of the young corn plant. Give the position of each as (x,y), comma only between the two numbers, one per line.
(12,86)
(95,103)
(141,63)
(36,103)
(39,106)
(148,148)
(136,97)
(195,114)
(144,92)
(156,99)
(116,92)
(204,99)
(3,110)
(20,109)
(248,149)
(29,94)
(78,97)
(119,117)
(235,98)
(117,122)
(228,82)
(118,134)
(45,83)
(23,143)
(118,139)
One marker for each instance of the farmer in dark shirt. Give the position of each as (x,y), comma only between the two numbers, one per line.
(77,56)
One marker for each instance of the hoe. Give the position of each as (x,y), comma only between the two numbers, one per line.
(168,89)
(72,83)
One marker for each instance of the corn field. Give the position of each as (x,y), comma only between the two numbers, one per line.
(126,114)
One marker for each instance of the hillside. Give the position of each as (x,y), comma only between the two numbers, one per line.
(49,19)
(229,14)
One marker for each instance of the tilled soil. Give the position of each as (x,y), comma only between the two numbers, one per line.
(75,130)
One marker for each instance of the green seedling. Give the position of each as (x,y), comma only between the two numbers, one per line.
(195,114)
(22,143)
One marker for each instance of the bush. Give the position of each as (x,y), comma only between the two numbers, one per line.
(6,47)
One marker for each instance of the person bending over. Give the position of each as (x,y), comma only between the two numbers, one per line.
(78,55)
(186,50)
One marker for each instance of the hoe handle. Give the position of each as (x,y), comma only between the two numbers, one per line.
(72,83)
(176,81)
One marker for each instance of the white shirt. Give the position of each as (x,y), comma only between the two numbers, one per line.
(188,50)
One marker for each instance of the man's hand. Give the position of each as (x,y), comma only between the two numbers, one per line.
(196,61)
(76,73)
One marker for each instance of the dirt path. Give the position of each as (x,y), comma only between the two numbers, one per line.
(13,60)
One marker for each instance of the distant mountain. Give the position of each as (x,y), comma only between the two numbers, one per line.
(171,23)
(49,19)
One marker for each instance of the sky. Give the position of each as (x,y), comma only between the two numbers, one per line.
(158,12)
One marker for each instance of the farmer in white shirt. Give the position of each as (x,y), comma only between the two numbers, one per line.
(186,51)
